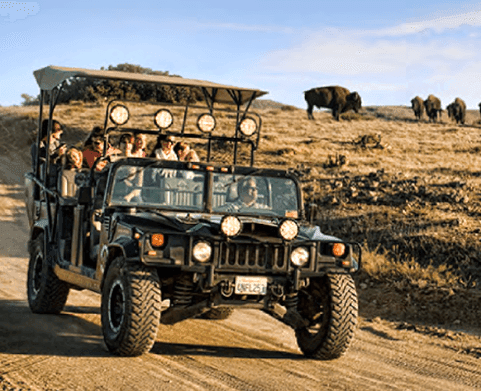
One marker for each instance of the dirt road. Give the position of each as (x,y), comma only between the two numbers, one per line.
(248,351)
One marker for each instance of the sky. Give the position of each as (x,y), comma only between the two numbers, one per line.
(387,51)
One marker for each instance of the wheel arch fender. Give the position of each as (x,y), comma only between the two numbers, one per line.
(40,227)
(122,247)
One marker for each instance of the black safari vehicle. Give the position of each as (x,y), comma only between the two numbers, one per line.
(163,241)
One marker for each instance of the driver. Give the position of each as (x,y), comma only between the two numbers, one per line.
(247,196)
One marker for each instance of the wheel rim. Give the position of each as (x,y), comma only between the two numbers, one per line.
(316,308)
(116,306)
(37,274)
(318,321)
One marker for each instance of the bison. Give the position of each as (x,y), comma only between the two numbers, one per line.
(433,107)
(339,99)
(479,108)
(417,105)
(457,111)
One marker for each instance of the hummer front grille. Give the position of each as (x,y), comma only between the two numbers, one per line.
(249,256)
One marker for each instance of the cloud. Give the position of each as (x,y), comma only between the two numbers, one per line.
(14,10)
(351,55)
(472,18)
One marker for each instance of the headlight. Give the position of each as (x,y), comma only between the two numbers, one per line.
(338,249)
(288,229)
(119,114)
(163,118)
(202,251)
(230,226)
(206,123)
(300,256)
(248,127)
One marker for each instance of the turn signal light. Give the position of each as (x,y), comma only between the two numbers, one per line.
(157,240)
(338,249)
(346,263)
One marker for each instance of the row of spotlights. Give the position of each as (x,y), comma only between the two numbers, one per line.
(163,119)
(232,226)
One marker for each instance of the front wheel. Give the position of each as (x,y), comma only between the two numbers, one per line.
(46,293)
(130,309)
(330,306)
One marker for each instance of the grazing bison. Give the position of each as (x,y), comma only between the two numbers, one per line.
(433,107)
(417,105)
(339,99)
(457,111)
(450,110)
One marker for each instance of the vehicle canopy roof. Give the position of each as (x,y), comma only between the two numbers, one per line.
(51,76)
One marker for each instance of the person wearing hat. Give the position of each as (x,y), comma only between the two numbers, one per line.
(164,149)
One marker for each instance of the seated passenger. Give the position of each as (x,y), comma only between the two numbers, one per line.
(126,144)
(94,149)
(56,148)
(68,185)
(164,149)
(140,144)
(74,159)
(185,153)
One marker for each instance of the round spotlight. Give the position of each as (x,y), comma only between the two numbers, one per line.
(163,118)
(248,127)
(300,256)
(206,123)
(230,226)
(119,114)
(338,249)
(288,229)
(202,251)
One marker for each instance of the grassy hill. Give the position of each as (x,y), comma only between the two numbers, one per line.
(408,191)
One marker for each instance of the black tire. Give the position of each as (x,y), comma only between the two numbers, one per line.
(218,313)
(330,304)
(46,293)
(130,309)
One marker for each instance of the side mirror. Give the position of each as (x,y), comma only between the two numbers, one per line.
(84,195)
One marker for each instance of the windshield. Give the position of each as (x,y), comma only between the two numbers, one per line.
(183,189)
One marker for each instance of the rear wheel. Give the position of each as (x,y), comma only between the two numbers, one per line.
(130,309)
(330,305)
(46,293)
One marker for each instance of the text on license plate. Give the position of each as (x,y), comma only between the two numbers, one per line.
(250,285)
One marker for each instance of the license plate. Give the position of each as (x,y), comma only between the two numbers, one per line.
(250,285)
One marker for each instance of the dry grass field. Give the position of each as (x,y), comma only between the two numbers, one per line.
(409,192)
